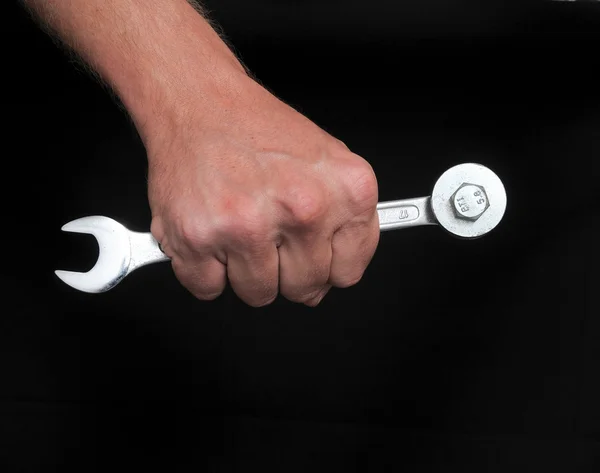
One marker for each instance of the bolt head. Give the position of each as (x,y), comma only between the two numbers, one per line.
(469,202)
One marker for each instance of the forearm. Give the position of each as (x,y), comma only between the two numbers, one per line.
(151,52)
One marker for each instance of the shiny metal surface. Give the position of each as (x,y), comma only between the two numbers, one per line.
(477,218)
(468,201)
(397,214)
(121,251)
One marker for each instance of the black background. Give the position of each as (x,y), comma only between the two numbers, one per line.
(449,355)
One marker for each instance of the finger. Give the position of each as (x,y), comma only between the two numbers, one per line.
(204,276)
(304,265)
(253,273)
(315,301)
(353,248)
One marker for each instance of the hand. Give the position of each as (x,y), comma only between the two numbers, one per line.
(242,187)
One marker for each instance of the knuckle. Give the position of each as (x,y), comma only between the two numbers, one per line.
(306,206)
(193,233)
(362,184)
(340,146)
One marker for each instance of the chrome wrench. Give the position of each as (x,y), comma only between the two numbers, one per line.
(468,201)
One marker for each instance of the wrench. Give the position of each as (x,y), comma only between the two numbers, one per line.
(468,201)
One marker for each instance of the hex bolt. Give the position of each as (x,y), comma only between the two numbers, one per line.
(469,202)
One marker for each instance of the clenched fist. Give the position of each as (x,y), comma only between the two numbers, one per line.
(253,192)
(241,186)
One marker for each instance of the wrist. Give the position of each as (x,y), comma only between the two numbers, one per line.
(168,68)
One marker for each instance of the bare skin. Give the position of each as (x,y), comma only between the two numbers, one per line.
(242,187)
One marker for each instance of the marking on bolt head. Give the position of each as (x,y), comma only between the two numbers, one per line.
(468,221)
(470,201)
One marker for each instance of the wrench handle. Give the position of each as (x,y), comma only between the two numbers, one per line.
(144,250)
(397,214)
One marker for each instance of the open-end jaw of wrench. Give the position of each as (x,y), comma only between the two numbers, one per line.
(468,201)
